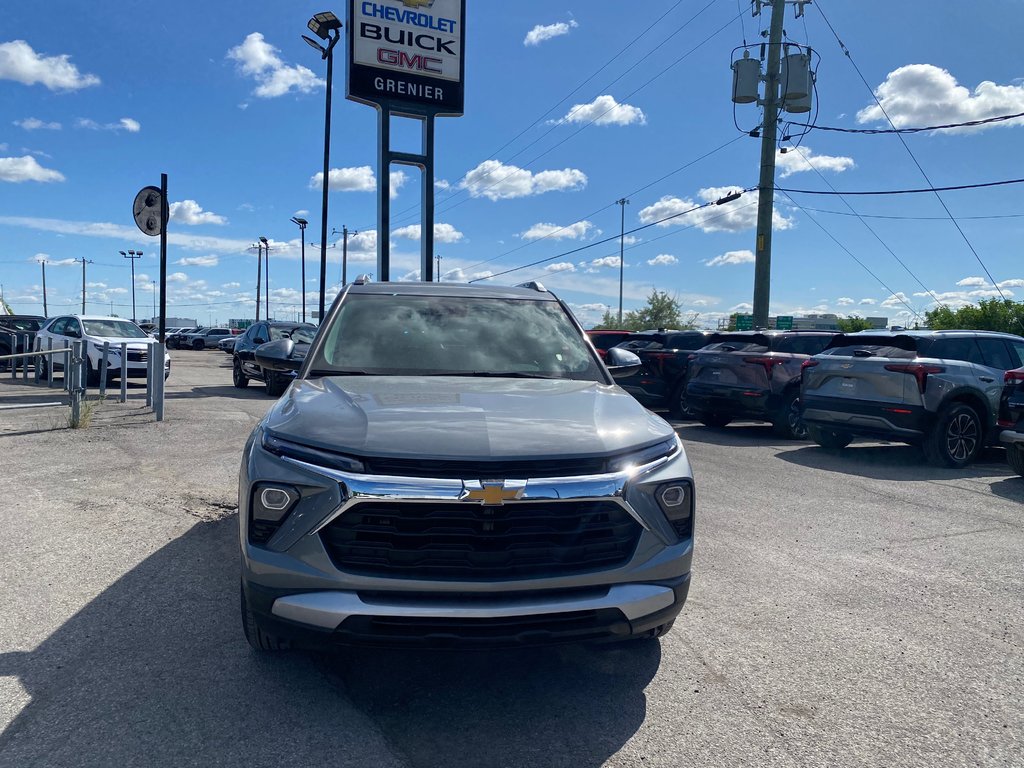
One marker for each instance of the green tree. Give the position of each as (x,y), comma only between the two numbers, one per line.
(988,315)
(610,322)
(661,311)
(852,324)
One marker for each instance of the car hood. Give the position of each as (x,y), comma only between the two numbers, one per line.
(132,342)
(464,418)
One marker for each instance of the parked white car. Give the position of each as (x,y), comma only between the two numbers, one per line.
(94,331)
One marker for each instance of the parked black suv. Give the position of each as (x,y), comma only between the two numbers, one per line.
(753,375)
(937,389)
(665,358)
(243,361)
(17,333)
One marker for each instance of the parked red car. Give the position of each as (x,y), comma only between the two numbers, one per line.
(605,340)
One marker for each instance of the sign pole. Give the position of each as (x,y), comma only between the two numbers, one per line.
(427,218)
(163,259)
(383,194)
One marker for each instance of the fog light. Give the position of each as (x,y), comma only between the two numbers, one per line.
(275,499)
(671,496)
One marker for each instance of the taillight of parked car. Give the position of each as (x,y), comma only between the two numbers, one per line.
(919,371)
(808,364)
(767,362)
(1013,377)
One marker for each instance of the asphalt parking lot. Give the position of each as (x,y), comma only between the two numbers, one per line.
(852,609)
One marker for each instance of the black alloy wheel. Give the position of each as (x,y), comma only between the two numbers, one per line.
(1015,457)
(238,377)
(956,438)
(790,423)
(677,405)
(198,345)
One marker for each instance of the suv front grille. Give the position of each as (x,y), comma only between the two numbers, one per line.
(137,356)
(483,470)
(472,542)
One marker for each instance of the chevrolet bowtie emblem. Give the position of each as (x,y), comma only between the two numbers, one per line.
(493,493)
(417,3)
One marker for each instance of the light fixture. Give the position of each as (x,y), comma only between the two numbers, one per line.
(313,43)
(322,23)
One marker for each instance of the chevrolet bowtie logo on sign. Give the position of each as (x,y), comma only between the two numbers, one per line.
(493,493)
(418,3)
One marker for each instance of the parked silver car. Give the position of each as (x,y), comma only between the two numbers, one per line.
(936,389)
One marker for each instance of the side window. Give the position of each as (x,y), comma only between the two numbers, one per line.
(802,345)
(59,326)
(965,349)
(72,328)
(261,335)
(1017,348)
(996,354)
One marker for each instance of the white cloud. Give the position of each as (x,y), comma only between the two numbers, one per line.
(605,110)
(35,124)
(1014,283)
(199,261)
(606,261)
(124,124)
(731,257)
(258,59)
(922,94)
(734,216)
(663,259)
(562,266)
(443,233)
(845,301)
(20,63)
(357,179)
(124,233)
(543,32)
(576,231)
(742,307)
(301,213)
(189,212)
(972,281)
(442,185)
(803,159)
(231,286)
(497,181)
(18,169)
(868,302)
(177,277)
(896,300)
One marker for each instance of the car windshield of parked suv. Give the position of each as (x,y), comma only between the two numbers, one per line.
(28,324)
(454,336)
(299,334)
(124,329)
(736,345)
(904,347)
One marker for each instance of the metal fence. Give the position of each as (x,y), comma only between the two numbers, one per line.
(75,368)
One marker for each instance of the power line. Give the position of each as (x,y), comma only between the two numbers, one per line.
(721,201)
(905,191)
(915,218)
(849,253)
(879,131)
(913,157)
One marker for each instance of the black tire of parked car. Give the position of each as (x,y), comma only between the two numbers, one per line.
(789,422)
(275,384)
(829,438)
(43,367)
(713,419)
(677,407)
(92,376)
(198,345)
(1015,458)
(956,437)
(238,378)
(258,639)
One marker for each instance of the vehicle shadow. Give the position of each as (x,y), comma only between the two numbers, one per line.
(155,671)
(891,462)
(572,706)
(1011,488)
(732,435)
(255,391)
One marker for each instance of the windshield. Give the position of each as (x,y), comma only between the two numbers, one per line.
(20,323)
(467,336)
(299,334)
(125,329)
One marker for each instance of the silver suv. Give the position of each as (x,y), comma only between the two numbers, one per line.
(936,389)
(454,464)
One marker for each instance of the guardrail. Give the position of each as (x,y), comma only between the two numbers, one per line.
(75,369)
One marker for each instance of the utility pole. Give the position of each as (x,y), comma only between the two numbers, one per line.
(438,278)
(154,299)
(266,250)
(133,255)
(259,274)
(84,262)
(766,184)
(302,231)
(344,250)
(43,265)
(622,203)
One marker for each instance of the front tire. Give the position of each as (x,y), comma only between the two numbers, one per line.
(956,438)
(43,367)
(677,406)
(198,345)
(829,438)
(789,422)
(274,383)
(259,640)
(238,378)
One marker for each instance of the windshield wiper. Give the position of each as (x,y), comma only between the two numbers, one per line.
(339,372)
(493,374)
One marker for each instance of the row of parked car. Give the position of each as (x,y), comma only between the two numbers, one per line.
(950,392)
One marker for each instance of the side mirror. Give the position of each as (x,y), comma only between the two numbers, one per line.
(277,356)
(621,362)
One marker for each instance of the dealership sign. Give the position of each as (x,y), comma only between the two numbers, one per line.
(407,55)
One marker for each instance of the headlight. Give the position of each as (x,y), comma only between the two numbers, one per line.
(270,504)
(644,456)
(321,458)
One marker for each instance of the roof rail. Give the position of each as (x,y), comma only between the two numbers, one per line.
(533,285)
(362,280)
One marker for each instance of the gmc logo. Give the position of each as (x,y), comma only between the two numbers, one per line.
(417,62)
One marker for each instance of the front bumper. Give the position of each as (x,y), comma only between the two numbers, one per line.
(297,591)
(1011,437)
(754,403)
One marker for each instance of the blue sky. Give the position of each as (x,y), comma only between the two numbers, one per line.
(227,99)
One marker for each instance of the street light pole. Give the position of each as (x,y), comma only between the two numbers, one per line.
(622,241)
(438,278)
(133,255)
(154,298)
(344,251)
(302,229)
(266,250)
(259,274)
(43,265)
(327,27)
